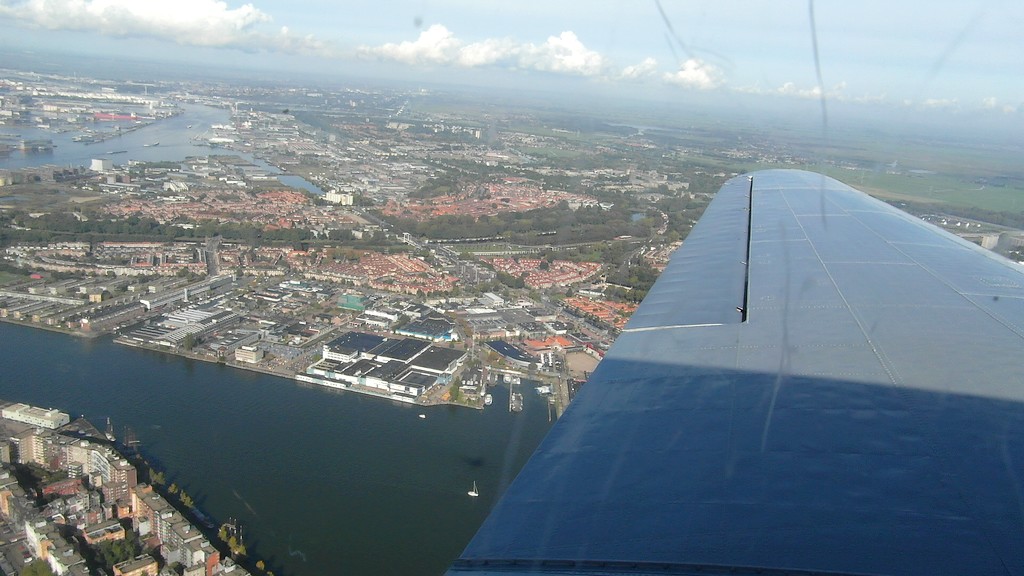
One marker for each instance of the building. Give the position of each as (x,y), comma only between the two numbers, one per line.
(432,328)
(438,361)
(65,560)
(105,531)
(248,354)
(512,354)
(122,478)
(492,300)
(139,566)
(342,198)
(348,346)
(40,536)
(26,414)
(398,368)
(148,511)
(66,487)
(354,302)
(187,546)
(380,317)
(105,468)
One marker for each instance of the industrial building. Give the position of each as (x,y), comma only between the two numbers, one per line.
(26,414)
(398,368)
(433,328)
(249,354)
(512,354)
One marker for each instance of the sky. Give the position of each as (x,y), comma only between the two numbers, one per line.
(946,55)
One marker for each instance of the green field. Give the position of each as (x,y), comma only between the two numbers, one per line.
(553,153)
(10,278)
(934,188)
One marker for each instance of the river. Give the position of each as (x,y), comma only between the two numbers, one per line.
(173,134)
(176,136)
(323,482)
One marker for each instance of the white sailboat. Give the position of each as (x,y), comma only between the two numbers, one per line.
(473,492)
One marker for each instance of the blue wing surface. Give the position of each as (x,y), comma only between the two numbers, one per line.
(818,383)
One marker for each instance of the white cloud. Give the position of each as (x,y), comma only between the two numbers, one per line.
(880,98)
(564,53)
(190,22)
(791,89)
(993,103)
(837,92)
(695,73)
(642,70)
(435,45)
(487,53)
(941,103)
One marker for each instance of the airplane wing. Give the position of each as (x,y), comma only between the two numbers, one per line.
(818,383)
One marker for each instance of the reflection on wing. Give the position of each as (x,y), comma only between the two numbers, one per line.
(866,416)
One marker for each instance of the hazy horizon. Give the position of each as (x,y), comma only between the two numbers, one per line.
(949,59)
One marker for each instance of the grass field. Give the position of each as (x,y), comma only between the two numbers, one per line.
(553,153)
(934,188)
(7,278)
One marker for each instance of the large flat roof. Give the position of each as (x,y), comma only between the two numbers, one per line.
(431,327)
(351,342)
(509,351)
(403,349)
(435,358)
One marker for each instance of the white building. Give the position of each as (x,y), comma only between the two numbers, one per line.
(343,198)
(250,354)
(51,418)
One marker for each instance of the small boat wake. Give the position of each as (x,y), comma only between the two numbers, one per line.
(246,503)
(294,553)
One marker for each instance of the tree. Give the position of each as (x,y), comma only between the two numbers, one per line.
(37,568)
(115,551)
(231,535)
(260,565)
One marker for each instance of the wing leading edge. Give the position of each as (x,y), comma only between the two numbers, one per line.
(865,417)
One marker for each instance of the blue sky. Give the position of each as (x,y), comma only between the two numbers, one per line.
(942,54)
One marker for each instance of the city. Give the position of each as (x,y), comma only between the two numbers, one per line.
(72,503)
(320,277)
(364,288)
(226,263)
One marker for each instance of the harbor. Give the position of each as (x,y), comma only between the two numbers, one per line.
(238,441)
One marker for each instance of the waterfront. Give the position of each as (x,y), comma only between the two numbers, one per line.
(179,137)
(324,482)
(173,134)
